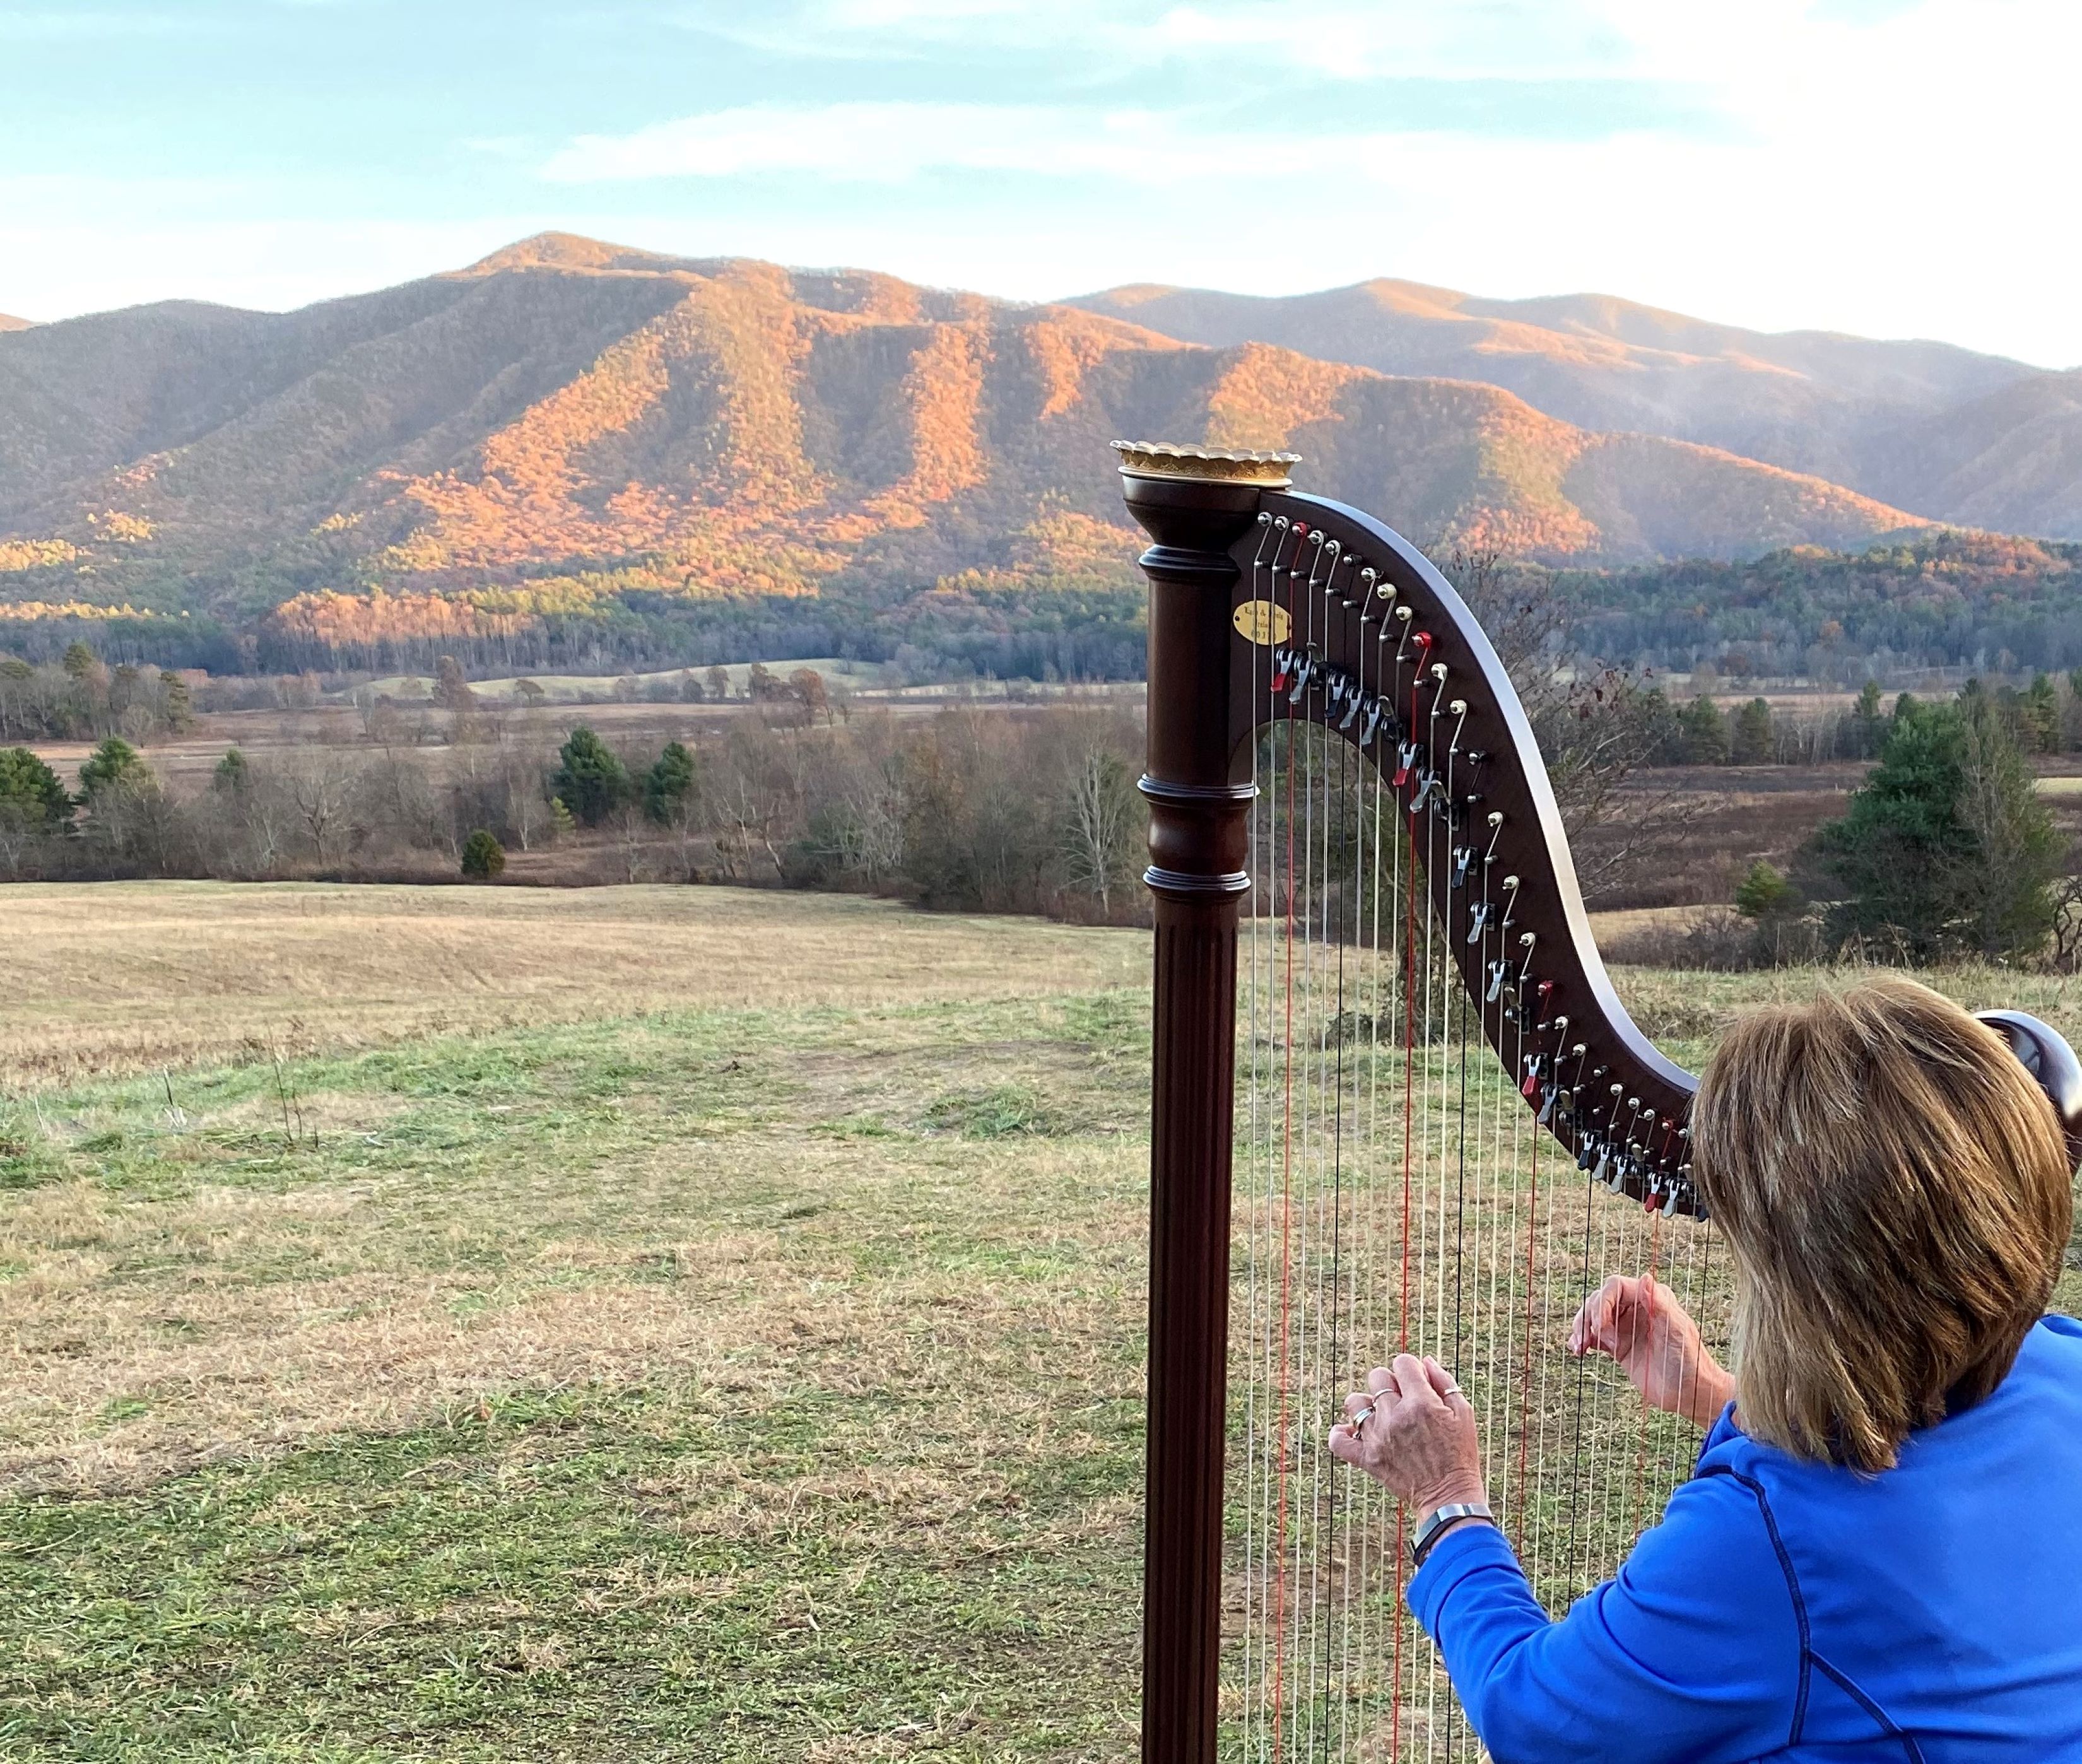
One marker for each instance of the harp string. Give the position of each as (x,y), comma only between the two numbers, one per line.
(1398,1194)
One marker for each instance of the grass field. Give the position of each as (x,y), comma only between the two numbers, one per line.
(652,1323)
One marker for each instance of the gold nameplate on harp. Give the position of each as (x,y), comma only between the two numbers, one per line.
(1262,622)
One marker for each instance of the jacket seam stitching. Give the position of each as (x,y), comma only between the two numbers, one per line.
(1807,1656)
(1886,1722)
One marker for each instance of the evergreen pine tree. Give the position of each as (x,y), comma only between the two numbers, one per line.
(1763,892)
(31,791)
(1946,848)
(484,857)
(112,765)
(669,784)
(1753,742)
(1869,721)
(1703,733)
(590,781)
(2039,712)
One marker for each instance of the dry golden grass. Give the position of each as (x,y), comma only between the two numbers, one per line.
(730,1294)
(128,977)
(545,1207)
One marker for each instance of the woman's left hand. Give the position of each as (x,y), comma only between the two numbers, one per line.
(1417,1438)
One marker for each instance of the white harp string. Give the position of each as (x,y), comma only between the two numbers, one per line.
(1393,1189)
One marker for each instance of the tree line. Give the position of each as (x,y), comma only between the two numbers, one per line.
(1941,599)
(2046,715)
(81,697)
(1035,812)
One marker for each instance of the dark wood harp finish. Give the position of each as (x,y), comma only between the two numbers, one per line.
(1270,606)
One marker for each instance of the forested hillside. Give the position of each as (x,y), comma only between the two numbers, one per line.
(574,454)
(1939,599)
(1970,440)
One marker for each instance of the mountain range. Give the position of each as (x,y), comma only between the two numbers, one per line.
(1968,440)
(569,426)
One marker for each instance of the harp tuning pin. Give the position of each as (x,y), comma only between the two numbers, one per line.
(1281,522)
(1458,708)
(1526,939)
(1405,614)
(1580,1049)
(1616,1090)
(1510,881)
(1561,1023)
(1264,520)
(1438,670)
(1496,817)
(1368,575)
(1634,1104)
(1334,548)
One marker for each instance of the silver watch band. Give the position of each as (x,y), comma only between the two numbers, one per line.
(1420,1545)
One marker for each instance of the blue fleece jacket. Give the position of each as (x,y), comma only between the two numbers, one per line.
(1790,1611)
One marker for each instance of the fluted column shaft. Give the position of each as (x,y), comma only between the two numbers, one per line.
(1197,842)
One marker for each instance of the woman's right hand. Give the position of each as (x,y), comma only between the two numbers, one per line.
(1641,1325)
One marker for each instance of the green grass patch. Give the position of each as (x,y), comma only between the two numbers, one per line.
(664,1575)
(991,1113)
(738,1385)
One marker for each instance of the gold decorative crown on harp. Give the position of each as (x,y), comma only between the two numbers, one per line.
(1227,466)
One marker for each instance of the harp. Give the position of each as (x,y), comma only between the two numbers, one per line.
(1391,1074)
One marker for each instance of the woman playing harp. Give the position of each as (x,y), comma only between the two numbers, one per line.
(1408,1117)
(1880,1553)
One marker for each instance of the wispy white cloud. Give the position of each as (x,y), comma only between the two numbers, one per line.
(1889,166)
(892,143)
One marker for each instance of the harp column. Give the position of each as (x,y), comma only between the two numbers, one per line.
(1193,502)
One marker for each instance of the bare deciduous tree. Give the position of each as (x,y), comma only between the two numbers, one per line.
(321,790)
(1586,716)
(1102,824)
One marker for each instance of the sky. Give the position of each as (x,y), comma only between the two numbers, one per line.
(1894,168)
